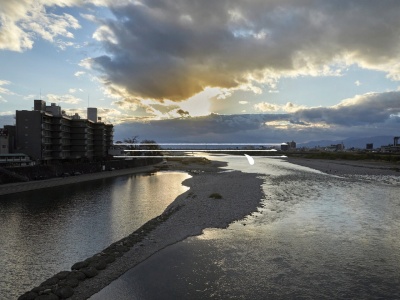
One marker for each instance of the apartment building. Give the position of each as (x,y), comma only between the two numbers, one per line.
(4,143)
(47,134)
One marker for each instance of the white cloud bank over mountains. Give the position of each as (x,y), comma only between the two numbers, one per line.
(366,115)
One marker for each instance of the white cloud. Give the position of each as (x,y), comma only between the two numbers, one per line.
(29,97)
(270,107)
(64,45)
(357,83)
(105,34)
(79,73)
(69,99)
(4,90)
(267,107)
(291,107)
(86,63)
(243,102)
(22,21)
(6,113)
(89,17)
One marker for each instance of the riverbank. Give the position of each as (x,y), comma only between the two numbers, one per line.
(342,167)
(18,187)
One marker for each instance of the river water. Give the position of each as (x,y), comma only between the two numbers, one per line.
(46,231)
(315,236)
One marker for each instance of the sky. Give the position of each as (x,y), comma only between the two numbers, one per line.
(208,71)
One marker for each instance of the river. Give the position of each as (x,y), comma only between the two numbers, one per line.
(46,231)
(315,236)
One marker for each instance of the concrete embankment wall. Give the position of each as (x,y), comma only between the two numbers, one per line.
(50,171)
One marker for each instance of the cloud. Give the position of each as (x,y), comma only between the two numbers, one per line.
(79,73)
(4,90)
(22,21)
(164,109)
(367,109)
(164,49)
(243,102)
(6,114)
(266,107)
(270,107)
(29,97)
(183,113)
(357,83)
(89,17)
(68,99)
(362,116)
(266,128)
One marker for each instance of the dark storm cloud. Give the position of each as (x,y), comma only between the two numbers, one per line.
(217,128)
(183,113)
(370,108)
(211,129)
(173,49)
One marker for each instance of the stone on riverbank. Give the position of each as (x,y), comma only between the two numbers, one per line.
(99,265)
(76,275)
(64,292)
(28,296)
(62,275)
(90,272)
(109,258)
(50,296)
(51,281)
(72,282)
(80,265)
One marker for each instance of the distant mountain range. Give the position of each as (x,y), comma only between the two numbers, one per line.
(352,142)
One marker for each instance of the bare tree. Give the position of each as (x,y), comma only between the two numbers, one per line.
(133,141)
(150,145)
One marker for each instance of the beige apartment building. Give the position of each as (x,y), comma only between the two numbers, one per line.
(47,134)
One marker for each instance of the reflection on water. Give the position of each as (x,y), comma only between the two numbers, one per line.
(315,237)
(45,231)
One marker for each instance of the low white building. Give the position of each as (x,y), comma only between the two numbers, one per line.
(15,159)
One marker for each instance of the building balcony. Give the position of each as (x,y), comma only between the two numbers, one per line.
(46,141)
(56,135)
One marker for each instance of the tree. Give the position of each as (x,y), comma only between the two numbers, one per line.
(150,145)
(132,145)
